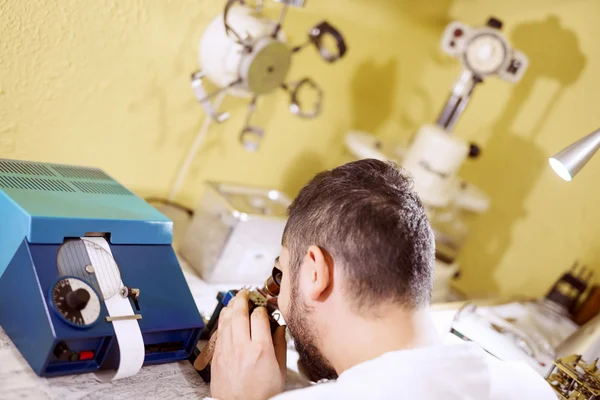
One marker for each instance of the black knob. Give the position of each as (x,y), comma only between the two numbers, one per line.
(78,299)
(474,150)
(493,22)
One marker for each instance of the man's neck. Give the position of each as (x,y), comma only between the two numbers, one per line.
(355,339)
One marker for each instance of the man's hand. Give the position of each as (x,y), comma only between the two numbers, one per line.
(248,363)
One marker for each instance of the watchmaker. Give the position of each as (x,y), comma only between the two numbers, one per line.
(356,268)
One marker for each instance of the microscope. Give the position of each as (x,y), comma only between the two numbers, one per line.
(435,155)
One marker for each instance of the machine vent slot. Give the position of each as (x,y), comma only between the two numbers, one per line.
(44,185)
(24,168)
(81,173)
(101,188)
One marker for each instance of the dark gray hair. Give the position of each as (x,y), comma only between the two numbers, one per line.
(366,215)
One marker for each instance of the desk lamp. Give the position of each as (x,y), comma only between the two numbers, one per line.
(570,160)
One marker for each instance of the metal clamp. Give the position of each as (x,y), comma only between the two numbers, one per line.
(251,136)
(244,41)
(204,99)
(123,318)
(132,293)
(282,15)
(296,106)
(316,36)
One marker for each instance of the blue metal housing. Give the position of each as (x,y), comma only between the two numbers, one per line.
(43,204)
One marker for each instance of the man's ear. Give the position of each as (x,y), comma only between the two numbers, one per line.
(320,266)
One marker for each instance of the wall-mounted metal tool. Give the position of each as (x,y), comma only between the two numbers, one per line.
(484,53)
(245,54)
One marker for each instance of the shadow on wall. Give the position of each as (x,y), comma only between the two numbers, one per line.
(433,12)
(374,92)
(511,156)
(303,168)
(375,84)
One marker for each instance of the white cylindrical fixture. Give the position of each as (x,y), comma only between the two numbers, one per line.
(433,160)
(220,56)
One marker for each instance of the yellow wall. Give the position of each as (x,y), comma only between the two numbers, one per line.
(538,224)
(106,83)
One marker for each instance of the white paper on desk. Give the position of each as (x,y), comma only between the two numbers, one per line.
(128,332)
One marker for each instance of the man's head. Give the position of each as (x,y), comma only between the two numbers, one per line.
(360,234)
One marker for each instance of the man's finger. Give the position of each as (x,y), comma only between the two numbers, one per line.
(280,345)
(224,318)
(240,318)
(261,331)
(224,340)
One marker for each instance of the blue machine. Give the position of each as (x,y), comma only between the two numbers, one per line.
(44,211)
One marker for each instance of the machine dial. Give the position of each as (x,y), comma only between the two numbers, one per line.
(75,301)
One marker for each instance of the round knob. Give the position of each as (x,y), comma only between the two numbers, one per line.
(75,302)
(493,22)
(474,150)
(78,299)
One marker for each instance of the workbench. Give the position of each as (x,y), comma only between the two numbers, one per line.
(180,380)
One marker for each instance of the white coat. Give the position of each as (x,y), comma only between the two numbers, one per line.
(451,372)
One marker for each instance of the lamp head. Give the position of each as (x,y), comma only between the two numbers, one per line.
(568,162)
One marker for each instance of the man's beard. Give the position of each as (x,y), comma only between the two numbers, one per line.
(315,364)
